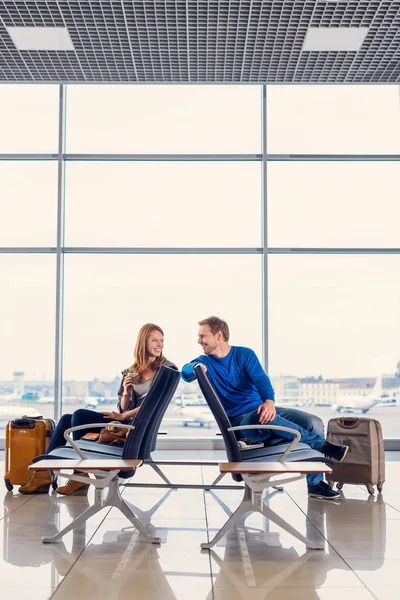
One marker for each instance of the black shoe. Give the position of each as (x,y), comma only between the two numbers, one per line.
(336,451)
(323,491)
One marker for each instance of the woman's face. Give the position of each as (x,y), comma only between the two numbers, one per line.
(155,344)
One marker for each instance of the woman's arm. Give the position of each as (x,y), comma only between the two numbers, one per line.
(129,414)
(125,399)
(124,416)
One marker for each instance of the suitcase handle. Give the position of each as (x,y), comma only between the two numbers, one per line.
(349,422)
(25,423)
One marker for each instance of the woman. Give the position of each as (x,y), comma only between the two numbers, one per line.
(135,384)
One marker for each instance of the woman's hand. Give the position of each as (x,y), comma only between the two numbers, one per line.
(128,384)
(115,416)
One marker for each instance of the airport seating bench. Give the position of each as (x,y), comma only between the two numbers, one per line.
(257,477)
(104,476)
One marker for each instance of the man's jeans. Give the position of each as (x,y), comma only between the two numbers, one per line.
(82,416)
(309,426)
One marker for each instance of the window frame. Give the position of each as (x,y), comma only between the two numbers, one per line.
(264,158)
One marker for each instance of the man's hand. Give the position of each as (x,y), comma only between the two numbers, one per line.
(202,366)
(267,411)
(115,416)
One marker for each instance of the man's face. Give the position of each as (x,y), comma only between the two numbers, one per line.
(207,340)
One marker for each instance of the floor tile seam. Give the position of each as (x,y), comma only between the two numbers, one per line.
(80,554)
(208,537)
(17,507)
(209,574)
(391,506)
(352,571)
(335,550)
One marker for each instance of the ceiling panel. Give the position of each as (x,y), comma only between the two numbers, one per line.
(248,41)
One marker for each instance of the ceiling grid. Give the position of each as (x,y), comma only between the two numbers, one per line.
(201,41)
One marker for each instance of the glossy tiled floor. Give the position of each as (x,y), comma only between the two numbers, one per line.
(106,560)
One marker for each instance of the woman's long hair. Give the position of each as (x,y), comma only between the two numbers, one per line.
(141,362)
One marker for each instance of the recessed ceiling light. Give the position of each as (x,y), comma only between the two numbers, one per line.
(40,38)
(322,39)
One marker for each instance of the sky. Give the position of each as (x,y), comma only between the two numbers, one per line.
(335,315)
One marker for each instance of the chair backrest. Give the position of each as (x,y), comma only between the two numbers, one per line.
(213,401)
(150,440)
(160,394)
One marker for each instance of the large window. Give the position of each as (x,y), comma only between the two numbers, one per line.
(163,204)
(164,119)
(27,308)
(334,329)
(334,119)
(29,118)
(28,203)
(108,298)
(160,209)
(333,204)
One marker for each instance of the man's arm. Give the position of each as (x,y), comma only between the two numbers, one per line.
(260,379)
(187,372)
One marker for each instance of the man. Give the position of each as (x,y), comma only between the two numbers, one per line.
(248,398)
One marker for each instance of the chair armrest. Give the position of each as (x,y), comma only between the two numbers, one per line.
(91,425)
(277,428)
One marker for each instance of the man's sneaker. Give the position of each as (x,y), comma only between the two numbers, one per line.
(244,442)
(336,451)
(323,491)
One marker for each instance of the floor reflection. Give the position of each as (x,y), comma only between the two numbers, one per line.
(105,557)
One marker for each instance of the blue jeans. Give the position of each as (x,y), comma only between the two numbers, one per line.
(309,426)
(82,416)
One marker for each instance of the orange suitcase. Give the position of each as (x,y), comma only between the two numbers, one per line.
(25,438)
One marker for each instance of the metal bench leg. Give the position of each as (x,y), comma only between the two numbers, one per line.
(244,507)
(160,473)
(124,508)
(253,501)
(220,476)
(113,499)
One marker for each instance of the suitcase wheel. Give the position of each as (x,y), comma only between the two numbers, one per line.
(370,489)
(9,485)
(379,487)
(339,485)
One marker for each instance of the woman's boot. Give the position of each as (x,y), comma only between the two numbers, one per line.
(73,487)
(39,483)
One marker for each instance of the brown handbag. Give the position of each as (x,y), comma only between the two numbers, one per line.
(113,434)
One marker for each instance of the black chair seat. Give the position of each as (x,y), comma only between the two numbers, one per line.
(109,449)
(272,453)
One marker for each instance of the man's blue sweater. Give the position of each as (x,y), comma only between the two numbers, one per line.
(238,378)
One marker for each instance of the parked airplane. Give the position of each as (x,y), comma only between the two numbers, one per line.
(359,402)
(196,412)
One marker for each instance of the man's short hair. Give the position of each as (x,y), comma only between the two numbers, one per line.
(216,324)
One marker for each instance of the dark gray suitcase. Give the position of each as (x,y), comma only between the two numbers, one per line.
(365,460)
